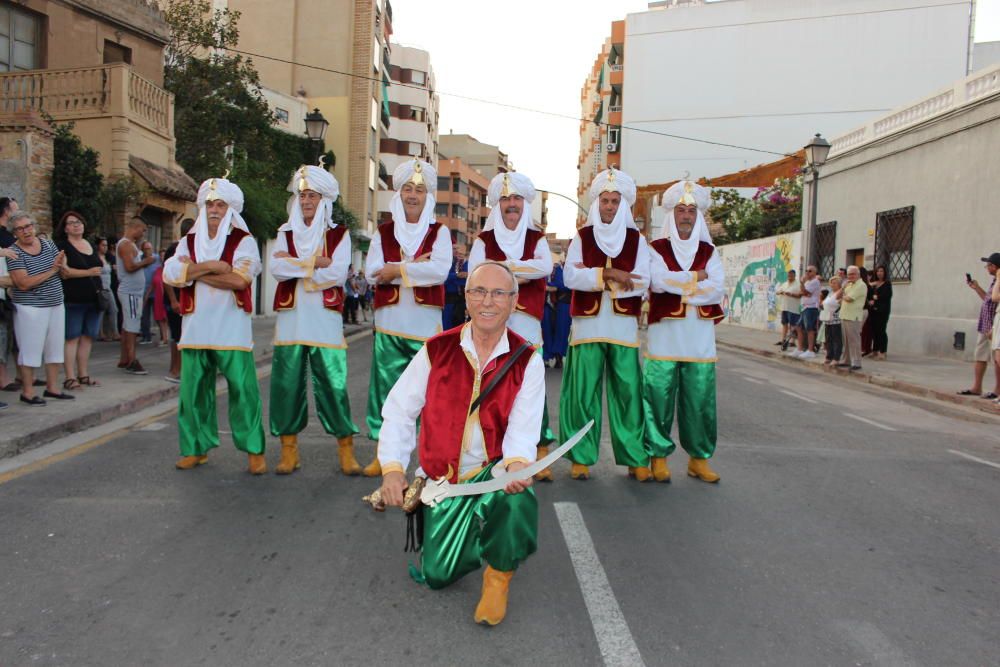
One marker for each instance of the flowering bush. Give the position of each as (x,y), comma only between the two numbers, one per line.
(776,209)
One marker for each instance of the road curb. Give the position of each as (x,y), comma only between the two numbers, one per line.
(955,405)
(46,434)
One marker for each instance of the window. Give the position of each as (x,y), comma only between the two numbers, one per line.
(460,212)
(417,113)
(441,210)
(281,114)
(462,187)
(116,53)
(614,135)
(894,242)
(373,143)
(444,184)
(414,149)
(824,245)
(416,76)
(19,40)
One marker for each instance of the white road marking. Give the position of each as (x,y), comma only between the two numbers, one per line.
(975,458)
(798,396)
(613,636)
(155,426)
(754,380)
(869,421)
(879,649)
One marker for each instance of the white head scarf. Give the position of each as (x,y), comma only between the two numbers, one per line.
(686,192)
(511,241)
(309,238)
(610,237)
(410,235)
(206,248)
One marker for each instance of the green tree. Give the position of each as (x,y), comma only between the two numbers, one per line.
(218,103)
(76,181)
(776,209)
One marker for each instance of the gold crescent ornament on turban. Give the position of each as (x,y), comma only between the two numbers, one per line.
(507,190)
(687,198)
(610,185)
(213,192)
(418,174)
(303,183)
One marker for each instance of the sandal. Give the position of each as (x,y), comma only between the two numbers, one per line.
(991,396)
(71,383)
(967,392)
(87,382)
(62,396)
(13,386)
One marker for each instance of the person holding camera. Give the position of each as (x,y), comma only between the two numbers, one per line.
(984,331)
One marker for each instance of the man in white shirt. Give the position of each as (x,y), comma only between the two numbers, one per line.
(311,261)
(809,318)
(214,266)
(789,295)
(408,263)
(463,444)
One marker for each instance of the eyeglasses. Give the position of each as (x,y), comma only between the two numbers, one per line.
(23,228)
(498,295)
(74,221)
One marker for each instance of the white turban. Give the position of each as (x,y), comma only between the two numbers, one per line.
(511,241)
(217,188)
(410,235)
(309,238)
(610,237)
(686,192)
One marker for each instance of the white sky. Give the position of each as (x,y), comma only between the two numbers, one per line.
(531,53)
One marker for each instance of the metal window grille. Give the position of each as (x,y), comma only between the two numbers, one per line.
(824,246)
(894,242)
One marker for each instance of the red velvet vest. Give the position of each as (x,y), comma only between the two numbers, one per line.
(244,297)
(531,295)
(451,389)
(333,297)
(588,304)
(388,295)
(667,306)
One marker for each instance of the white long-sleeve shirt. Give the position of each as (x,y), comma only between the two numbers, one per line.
(407,318)
(217,323)
(398,437)
(692,338)
(539,266)
(309,323)
(607,326)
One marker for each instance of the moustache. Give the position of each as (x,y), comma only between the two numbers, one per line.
(511,209)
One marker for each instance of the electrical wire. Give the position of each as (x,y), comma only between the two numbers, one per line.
(513,106)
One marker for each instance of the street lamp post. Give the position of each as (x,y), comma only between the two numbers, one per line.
(817,151)
(316,126)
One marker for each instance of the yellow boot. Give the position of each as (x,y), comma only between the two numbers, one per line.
(373,469)
(492,605)
(579,471)
(699,468)
(661,473)
(188,462)
(289,455)
(258,465)
(348,464)
(641,474)
(545,475)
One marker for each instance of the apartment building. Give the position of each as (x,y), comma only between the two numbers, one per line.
(99,65)
(461,201)
(757,74)
(335,56)
(413,113)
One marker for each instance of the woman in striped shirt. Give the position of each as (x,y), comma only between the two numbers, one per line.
(39,315)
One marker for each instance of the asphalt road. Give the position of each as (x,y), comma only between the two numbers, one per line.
(831,540)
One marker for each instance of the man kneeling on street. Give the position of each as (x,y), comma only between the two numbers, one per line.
(468,425)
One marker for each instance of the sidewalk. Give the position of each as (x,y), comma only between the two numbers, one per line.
(23,427)
(926,377)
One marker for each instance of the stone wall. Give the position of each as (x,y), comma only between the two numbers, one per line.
(26,162)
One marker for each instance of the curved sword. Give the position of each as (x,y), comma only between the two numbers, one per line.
(437,490)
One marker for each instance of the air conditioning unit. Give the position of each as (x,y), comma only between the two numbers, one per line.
(613,147)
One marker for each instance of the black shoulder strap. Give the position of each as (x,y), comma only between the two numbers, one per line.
(499,376)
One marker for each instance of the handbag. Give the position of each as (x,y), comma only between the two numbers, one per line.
(104,300)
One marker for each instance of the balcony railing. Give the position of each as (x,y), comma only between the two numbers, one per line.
(89,92)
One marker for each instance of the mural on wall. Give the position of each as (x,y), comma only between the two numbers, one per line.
(753,271)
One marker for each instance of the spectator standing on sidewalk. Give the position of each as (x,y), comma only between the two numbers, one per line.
(789,295)
(146,324)
(174,309)
(809,318)
(832,325)
(852,311)
(879,306)
(350,300)
(8,207)
(131,288)
(109,316)
(81,285)
(39,317)
(985,331)
(866,327)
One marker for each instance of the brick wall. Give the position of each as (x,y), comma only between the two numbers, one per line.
(26,161)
